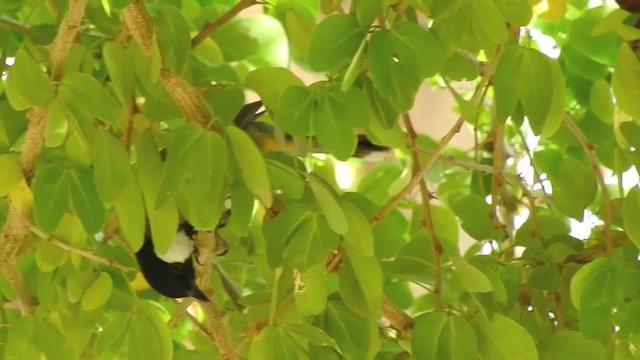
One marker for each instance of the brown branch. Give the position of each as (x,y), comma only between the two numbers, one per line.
(484,82)
(427,220)
(33,140)
(185,95)
(13,25)
(203,329)
(216,327)
(559,313)
(606,197)
(398,318)
(87,254)
(497,180)
(59,48)
(181,311)
(13,237)
(210,27)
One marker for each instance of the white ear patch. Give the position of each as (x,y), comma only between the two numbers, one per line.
(180,250)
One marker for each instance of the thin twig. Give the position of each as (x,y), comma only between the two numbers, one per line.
(87,254)
(211,27)
(484,82)
(427,220)
(398,318)
(200,326)
(181,311)
(13,25)
(606,197)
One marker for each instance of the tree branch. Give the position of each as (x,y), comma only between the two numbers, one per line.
(87,254)
(606,197)
(415,179)
(210,27)
(427,220)
(59,48)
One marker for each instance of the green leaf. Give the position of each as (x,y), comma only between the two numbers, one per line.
(259,39)
(53,344)
(77,284)
(11,172)
(305,248)
(91,97)
(310,292)
(504,339)
(163,221)
(205,186)
(366,11)
(569,344)
(49,256)
(333,132)
(111,166)
(334,40)
(251,163)
(159,333)
(312,334)
(585,278)
(111,341)
(58,118)
(121,73)
(273,343)
(98,293)
(515,12)
(280,231)
(601,102)
(242,205)
(574,188)
(417,48)
(474,212)
(27,85)
(630,214)
(270,83)
(85,200)
(209,53)
(178,158)
(20,343)
(445,226)
(545,278)
(173,36)
(426,334)
(517,81)
(50,196)
(547,227)
(626,81)
(393,79)
(285,179)
(131,216)
(297,106)
(472,279)
(357,337)
(360,274)
(329,205)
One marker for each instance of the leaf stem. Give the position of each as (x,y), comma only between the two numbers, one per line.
(427,220)
(589,148)
(210,27)
(87,254)
(415,179)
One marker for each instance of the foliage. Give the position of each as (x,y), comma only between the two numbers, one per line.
(115,113)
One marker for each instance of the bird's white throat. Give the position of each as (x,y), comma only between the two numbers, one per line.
(180,250)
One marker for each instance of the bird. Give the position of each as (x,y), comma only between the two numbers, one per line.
(263,134)
(172,274)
